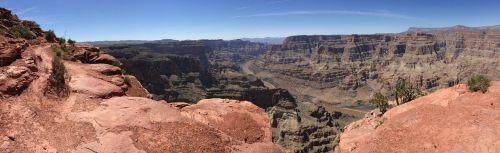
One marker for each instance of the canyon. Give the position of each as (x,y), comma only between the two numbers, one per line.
(308,94)
(333,76)
(348,69)
(189,71)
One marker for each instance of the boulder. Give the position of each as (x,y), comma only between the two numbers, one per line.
(93,86)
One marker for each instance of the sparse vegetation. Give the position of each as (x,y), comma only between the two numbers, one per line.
(478,83)
(380,101)
(61,52)
(50,36)
(62,41)
(116,63)
(71,42)
(21,32)
(127,80)
(57,80)
(405,92)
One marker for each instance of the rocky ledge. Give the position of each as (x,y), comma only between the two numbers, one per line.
(449,120)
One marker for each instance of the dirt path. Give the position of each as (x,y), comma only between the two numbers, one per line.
(44,65)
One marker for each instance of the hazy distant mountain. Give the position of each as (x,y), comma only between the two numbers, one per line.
(268,40)
(129,42)
(454,28)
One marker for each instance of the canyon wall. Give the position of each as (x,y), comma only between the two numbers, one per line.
(349,68)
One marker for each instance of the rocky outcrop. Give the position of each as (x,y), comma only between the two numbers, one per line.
(89,54)
(447,120)
(159,127)
(352,67)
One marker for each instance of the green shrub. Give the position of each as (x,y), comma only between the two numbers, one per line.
(380,101)
(61,52)
(478,83)
(405,92)
(21,32)
(71,42)
(27,23)
(50,36)
(57,79)
(127,80)
(3,30)
(62,41)
(116,63)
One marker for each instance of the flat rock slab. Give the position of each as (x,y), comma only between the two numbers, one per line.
(93,86)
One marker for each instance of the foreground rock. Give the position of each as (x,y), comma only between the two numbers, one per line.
(449,120)
(131,124)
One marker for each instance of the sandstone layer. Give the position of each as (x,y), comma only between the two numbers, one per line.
(448,120)
(349,68)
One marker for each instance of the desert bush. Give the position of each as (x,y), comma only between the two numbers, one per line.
(405,92)
(61,52)
(380,101)
(57,80)
(28,23)
(478,83)
(62,41)
(127,80)
(50,36)
(116,63)
(21,32)
(71,42)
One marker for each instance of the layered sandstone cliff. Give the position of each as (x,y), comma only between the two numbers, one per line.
(448,120)
(348,68)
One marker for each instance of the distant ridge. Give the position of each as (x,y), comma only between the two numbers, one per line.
(267,40)
(453,28)
(129,42)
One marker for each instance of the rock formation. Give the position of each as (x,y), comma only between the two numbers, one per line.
(448,120)
(98,113)
(349,68)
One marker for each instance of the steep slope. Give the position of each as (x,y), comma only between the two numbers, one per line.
(448,120)
(349,68)
(94,112)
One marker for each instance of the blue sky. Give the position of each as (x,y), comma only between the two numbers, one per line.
(88,20)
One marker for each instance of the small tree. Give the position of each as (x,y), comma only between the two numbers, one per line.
(50,36)
(380,101)
(478,83)
(57,80)
(405,92)
(62,41)
(71,42)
